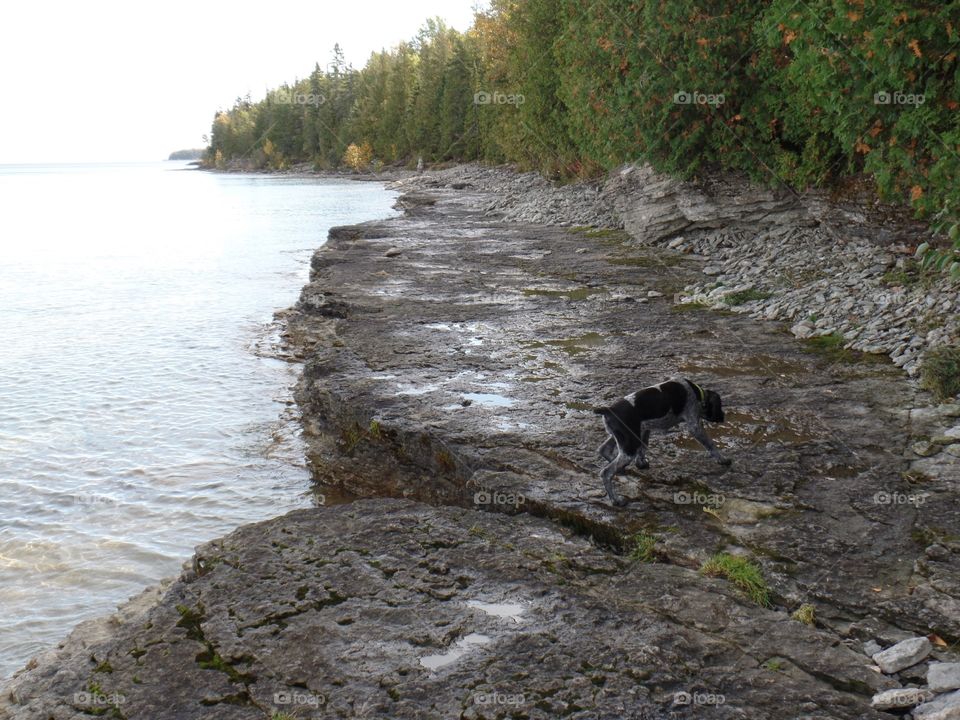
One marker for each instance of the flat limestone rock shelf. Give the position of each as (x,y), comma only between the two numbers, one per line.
(393,609)
(454,359)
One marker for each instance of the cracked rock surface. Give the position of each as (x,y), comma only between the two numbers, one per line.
(452,360)
(393,609)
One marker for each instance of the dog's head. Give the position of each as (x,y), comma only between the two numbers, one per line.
(712,407)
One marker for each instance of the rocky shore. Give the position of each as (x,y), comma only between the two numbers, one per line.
(452,356)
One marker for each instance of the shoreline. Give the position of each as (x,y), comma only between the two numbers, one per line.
(450,273)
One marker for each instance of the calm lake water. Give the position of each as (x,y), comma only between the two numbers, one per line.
(141,412)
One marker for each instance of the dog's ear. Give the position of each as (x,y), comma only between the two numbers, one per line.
(714,408)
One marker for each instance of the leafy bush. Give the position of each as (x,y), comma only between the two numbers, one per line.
(940,372)
(790,94)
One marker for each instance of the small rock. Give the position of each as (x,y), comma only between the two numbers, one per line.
(937,552)
(945,707)
(943,676)
(393,252)
(803,329)
(675,243)
(900,698)
(580,251)
(949,410)
(712,270)
(871,648)
(953,449)
(903,655)
(924,448)
(953,432)
(654,294)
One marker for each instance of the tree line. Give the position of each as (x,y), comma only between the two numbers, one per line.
(794,94)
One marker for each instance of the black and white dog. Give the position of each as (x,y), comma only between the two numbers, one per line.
(658,407)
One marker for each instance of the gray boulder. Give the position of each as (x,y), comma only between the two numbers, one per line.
(903,654)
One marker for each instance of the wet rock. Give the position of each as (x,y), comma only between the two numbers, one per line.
(413,611)
(944,707)
(393,252)
(943,676)
(900,698)
(925,449)
(903,654)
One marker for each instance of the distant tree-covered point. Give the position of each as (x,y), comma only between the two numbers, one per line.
(191,154)
(793,95)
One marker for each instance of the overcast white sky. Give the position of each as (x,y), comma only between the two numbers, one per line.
(110,80)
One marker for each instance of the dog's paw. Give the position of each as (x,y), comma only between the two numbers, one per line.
(619,502)
(726,462)
(643,465)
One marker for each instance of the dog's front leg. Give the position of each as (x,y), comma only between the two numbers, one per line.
(608,451)
(642,463)
(607,474)
(696,429)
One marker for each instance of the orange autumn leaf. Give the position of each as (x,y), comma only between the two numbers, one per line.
(876,129)
(853,16)
(953,104)
(702,42)
(915,46)
(789,37)
(901,19)
(936,640)
(861,147)
(916,192)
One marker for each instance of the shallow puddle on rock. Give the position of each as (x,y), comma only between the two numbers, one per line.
(575,294)
(461,648)
(759,365)
(743,429)
(418,389)
(502,610)
(491,399)
(571,346)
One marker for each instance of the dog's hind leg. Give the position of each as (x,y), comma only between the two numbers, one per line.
(642,463)
(696,429)
(608,451)
(608,473)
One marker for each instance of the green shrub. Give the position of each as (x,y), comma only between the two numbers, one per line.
(803,94)
(940,372)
